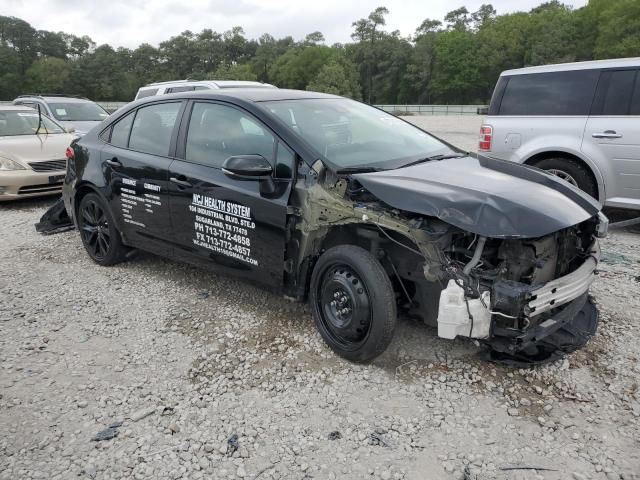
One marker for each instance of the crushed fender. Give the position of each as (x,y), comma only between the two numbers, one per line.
(55,220)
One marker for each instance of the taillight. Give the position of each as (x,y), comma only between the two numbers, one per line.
(69,153)
(486,135)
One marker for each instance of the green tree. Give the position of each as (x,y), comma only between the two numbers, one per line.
(47,74)
(618,29)
(339,77)
(458,19)
(299,65)
(456,77)
(366,52)
(239,71)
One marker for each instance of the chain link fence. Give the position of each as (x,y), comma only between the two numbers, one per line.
(394,109)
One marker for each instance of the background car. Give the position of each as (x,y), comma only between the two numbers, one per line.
(177,86)
(579,121)
(32,153)
(77,114)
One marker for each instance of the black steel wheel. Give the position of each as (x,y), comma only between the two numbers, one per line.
(353,303)
(98,232)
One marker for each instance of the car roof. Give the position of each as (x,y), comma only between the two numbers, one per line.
(590,65)
(54,98)
(246,94)
(67,99)
(214,83)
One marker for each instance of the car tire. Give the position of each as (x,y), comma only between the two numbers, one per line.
(353,303)
(572,171)
(100,237)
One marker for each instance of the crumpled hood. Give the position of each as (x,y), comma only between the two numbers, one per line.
(489,197)
(33,148)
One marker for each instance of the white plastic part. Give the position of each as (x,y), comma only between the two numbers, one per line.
(453,317)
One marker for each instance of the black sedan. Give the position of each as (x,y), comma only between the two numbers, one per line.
(366,216)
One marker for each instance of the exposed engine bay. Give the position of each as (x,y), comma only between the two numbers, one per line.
(525,298)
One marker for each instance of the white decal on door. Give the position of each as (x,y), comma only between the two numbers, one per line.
(223,227)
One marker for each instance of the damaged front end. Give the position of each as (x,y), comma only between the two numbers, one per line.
(530,295)
(455,257)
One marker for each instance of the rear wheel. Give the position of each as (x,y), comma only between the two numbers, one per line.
(353,303)
(98,232)
(571,171)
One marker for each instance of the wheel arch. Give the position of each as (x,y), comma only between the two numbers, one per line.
(365,236)
(536,158)
(80,192)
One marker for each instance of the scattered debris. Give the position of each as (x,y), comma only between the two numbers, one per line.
(232,444)
(142,413)
(375,438)
(335,435)
(526,467)
(203,295)
(55,220)
(467,474)
(168,411)
(106,434)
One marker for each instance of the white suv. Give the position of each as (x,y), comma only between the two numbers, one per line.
(176,86)
(580,121)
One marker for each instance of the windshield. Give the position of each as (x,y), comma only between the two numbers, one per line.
(25,123)
(78,112)
(352,135)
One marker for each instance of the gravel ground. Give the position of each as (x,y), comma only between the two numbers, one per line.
(202,376)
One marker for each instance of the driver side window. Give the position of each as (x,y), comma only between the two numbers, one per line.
(217,132)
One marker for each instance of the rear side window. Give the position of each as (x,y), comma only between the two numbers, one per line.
(149,92)
(153,127)
(553,93)
(615,92)
(120,132)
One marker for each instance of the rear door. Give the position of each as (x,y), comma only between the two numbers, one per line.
(136,163)
(612,135)
(227,223)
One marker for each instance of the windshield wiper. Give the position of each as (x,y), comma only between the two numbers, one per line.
(348,170)
(435,157)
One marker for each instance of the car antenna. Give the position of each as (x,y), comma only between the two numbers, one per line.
(39,119)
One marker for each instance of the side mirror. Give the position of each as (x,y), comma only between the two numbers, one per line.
(70,129)
(247,167)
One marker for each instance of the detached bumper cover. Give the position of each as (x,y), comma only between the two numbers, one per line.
(568,330)
(564,289)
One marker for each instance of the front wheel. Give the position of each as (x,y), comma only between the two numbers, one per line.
(353,303)
(571,171)
(98,231)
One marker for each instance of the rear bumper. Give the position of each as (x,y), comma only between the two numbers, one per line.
(27,183)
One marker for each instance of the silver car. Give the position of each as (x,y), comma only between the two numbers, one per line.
(579,121)
(76,114)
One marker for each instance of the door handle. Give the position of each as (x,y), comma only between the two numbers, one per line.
(181,183)
(606,134)
(114,162)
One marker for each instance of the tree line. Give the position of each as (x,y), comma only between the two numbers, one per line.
(455,60)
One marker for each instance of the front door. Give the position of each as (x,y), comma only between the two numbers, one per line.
(136,163)
(612,135)
(228,223)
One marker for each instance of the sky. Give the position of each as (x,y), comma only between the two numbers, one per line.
(129,23)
